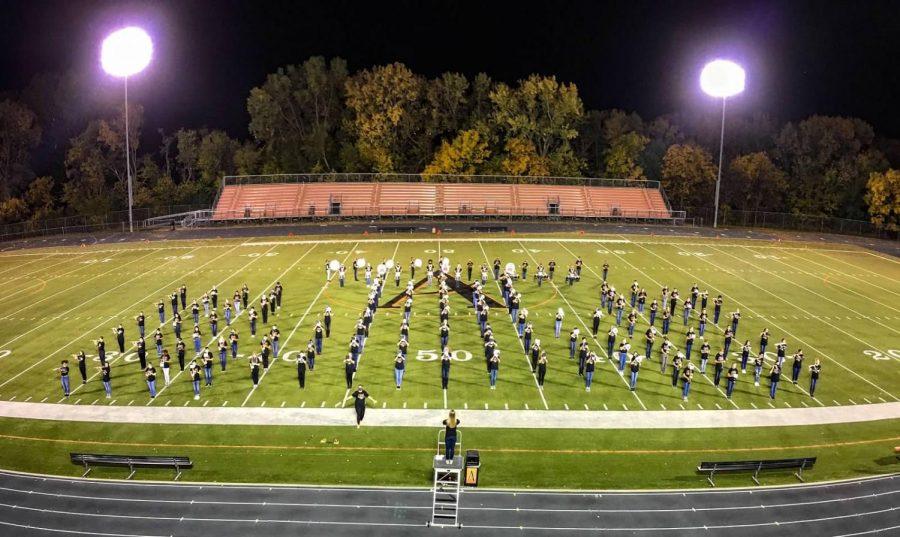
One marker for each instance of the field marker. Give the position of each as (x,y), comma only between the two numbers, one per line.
(771,405)
(787,404)
(681,405)
(754,406)
(566,405)
(13,398)
(466,406)
(95,401)
(506,406)
(262,404)
(852,401)
(526,406)
(186,403)
(724,294)
(130,403)
(882,399)
(663,406)
(700,406)
(206,402)
(586,407)
(225,403)
(322,405)
(804,404)
(719,407)
(426,405)
(44,399)
(76,307)
(61,400)
(27,399)
(283,403)
(404,404)
(843,274)
(521,344)
(485,406)
(384,404)
(113,401)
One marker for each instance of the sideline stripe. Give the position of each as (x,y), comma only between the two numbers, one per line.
(388,449)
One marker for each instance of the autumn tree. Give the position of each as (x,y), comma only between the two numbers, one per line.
(540,114)
(688,175)
(883,199)
(465,155)
(755,183)
(829,161)
(297,115)
(19,134)
(622,157)
(388,119)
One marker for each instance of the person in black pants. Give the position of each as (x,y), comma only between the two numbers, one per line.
(301,369)
(82,366)
(446,359)
(450,426)
(359,400)
(349,369)
(542,368)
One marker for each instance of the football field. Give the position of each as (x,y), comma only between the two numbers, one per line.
(837,303)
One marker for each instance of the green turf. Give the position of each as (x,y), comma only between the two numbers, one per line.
(837,302)
(827,301)
(561,458)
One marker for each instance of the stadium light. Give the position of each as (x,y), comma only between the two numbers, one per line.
(721,79)
(124,53)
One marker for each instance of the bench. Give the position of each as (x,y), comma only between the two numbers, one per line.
(131,461)
(756,466)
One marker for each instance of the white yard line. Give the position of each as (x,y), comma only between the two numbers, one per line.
(842,273)
(521,344)
(74,308)
(19,267)
(857,267)
(112,317)
(33,303)
(6,281)
(795,307)
(756,314)
(825,297)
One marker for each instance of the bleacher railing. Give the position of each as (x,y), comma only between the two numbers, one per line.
(487,212)
(431,178)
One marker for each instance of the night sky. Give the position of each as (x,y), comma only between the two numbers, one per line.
(837,58)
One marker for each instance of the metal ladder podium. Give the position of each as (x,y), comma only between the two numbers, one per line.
(447,486)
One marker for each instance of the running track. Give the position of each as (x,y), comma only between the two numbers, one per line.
(33,505)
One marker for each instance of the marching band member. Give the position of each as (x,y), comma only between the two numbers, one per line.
(63,371)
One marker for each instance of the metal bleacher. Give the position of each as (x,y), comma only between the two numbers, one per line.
(416,196)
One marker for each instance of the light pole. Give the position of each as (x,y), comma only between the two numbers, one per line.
(721,78)
(124,53)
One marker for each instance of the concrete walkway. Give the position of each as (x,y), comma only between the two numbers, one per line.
(517,419)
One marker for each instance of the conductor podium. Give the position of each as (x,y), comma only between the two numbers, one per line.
(448,478)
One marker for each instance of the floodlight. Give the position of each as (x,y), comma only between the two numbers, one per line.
(126,52)
(722,78)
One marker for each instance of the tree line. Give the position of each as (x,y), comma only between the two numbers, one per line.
(59,156)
